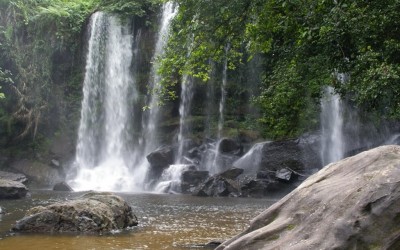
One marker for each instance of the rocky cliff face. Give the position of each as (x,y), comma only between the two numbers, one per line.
(351,204)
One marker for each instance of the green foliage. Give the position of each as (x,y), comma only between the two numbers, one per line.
(304,43)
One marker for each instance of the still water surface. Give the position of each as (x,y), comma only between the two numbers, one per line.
(165,222)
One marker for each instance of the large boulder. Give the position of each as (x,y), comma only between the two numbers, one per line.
(227,145)
(162,157)
(13,176)
(93,212)
(351,204)
(282,154)
(10,189)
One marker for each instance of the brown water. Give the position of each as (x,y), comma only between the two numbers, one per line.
(165,222)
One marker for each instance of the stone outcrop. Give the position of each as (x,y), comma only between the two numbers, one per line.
(10,189)
(93,212)
(351,204)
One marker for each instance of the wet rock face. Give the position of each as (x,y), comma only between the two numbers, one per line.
(351,204)
(93,212)
(10,189)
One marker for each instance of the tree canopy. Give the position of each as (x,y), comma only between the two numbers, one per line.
(305,44)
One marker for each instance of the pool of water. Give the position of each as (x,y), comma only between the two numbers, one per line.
(165,222)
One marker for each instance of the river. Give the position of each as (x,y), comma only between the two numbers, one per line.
(165,222)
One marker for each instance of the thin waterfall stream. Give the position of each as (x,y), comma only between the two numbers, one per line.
(332,142)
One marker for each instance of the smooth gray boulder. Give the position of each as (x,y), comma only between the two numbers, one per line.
(10,189)
(93,212)
(351,204)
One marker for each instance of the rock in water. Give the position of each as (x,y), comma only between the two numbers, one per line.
(93,212)
(12,189)
(351,204)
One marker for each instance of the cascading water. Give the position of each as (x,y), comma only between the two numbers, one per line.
(149,128)
(214,166)
(103,153)
(184,112)
(332,148)
(151,118)
(250,162)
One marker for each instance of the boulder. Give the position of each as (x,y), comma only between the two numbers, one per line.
(12,189)
(282,154)
(162,157)
(62,186)
(93,212)
(227,145)
(218,186)
(13,177)
(350,204)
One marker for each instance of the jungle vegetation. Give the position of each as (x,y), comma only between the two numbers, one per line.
(304,45)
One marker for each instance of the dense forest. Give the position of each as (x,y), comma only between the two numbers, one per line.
(300,47)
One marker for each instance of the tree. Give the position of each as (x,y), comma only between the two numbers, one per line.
(304,45)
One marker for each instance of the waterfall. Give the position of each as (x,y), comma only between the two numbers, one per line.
(184,112)
(150,118)
(251,161)
(149,127)
(223,98)
(103,154)
(214,166)
(332,148)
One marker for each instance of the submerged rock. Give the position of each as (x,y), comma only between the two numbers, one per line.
(93,212)
(10,189)
(351,204)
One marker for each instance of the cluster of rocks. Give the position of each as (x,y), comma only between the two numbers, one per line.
(275,167)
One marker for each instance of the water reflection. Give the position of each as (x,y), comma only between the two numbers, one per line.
(166,222)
